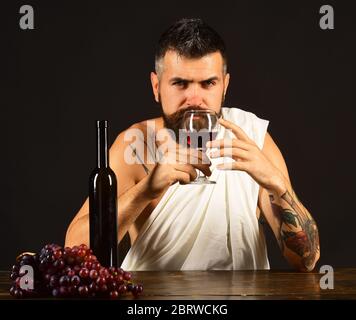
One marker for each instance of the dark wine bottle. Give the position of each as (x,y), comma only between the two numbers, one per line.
(103,203)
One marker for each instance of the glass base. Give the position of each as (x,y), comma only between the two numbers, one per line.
(202,180)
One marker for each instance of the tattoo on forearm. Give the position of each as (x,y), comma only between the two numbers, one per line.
(299,231)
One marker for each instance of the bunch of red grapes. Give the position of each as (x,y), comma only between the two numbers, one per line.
(71,272)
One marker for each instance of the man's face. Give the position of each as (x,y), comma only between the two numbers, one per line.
(189,84)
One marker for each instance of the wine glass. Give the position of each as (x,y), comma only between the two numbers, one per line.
(199,127)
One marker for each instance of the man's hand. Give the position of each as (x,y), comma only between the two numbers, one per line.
(292,224)
(249,158)
(178,166)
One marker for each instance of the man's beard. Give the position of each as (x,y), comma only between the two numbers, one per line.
(174,121)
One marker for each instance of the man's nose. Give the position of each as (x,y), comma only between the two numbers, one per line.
(194,96)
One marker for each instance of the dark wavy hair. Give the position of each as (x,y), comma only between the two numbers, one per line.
(190,38)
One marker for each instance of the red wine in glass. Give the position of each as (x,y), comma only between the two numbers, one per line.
(198,140)
(199,127)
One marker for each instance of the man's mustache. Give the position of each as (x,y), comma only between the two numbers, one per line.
(174,121)
(180,113)
(176,117)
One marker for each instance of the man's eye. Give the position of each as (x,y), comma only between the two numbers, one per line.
(209,83)
(181,84)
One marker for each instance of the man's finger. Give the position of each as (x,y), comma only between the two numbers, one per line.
(239,133)
(201,156)
(182,177)
(231,152)
(192,156)
(203,168)
(239,165)
(187,168)
(228,143)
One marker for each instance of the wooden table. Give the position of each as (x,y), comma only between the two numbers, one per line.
(234,285)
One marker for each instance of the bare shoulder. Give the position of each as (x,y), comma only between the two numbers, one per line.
(127,171)
(126,137)
(154,123)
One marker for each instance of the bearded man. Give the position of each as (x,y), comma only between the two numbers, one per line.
(174,225)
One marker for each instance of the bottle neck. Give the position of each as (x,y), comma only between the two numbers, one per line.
(102,147)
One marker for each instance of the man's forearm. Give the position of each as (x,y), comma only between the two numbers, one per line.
(130,205)
(298,234)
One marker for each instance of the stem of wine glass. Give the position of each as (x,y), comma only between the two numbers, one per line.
(200,173)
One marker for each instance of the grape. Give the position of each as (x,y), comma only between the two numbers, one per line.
(70,260)
(14,275)
(75,280)
(103,288)
(55,292)
(93,287)
(83,291)
(96,266)
(75,250)
(78,260)
(100,281)
(72,290)
(57,254)
(50,258)
(83,246)
(135,290)
(71,272)
(12,290)
(120,278)
(64,281)
(18,293)
(122,289)
(53,281)
(87,264)
(113,285)
(59,264)
(46,278)
(104,272)
(15,268)
(84,273)
(113,294)
(93,274)
(17,281)
(67,269)
(63,291)
(82,253)
(110,279)
(139,288)
(127,276)
(77,268)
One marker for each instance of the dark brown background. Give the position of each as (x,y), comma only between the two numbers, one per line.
(87,61)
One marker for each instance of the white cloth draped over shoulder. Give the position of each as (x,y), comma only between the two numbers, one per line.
(207,227)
